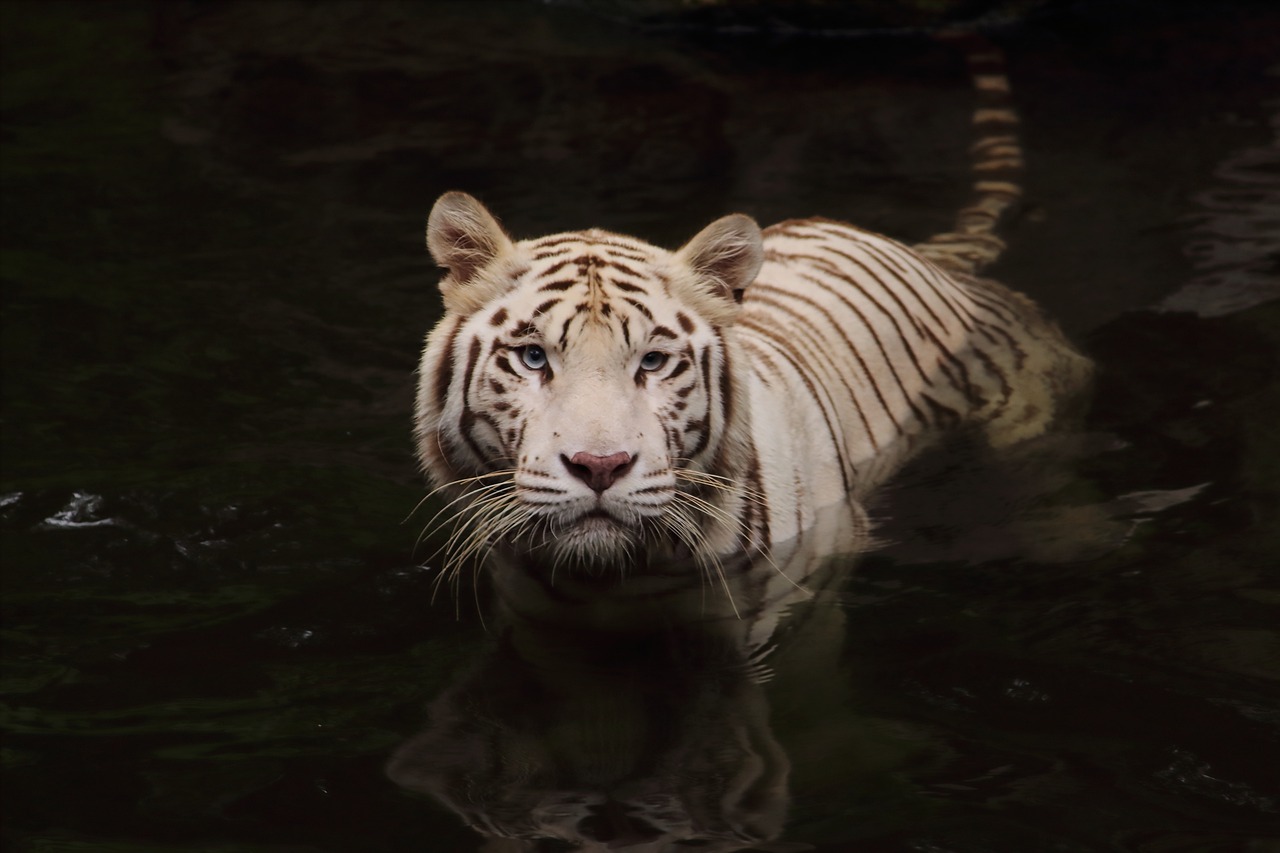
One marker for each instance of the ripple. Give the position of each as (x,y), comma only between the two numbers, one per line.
(1235,247)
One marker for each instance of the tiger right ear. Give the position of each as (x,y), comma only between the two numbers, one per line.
(463,237)
(726,255)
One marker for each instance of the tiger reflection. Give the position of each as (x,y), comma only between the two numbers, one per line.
(649,735)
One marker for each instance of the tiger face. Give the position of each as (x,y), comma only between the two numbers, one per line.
(580,390)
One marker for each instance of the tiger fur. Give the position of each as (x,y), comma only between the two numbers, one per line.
(591,400)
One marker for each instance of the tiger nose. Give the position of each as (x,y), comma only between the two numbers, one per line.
(598,472)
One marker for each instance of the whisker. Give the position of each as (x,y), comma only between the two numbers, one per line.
(722,485)
(462,520)
(472,496)
(505,472)
(506,482)
(730,521)
(490,512)
(709,565)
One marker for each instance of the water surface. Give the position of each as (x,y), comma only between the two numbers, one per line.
(218,623)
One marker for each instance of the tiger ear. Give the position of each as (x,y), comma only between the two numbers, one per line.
(726,254)
(464,238)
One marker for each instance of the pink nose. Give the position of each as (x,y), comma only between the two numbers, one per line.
(598,472)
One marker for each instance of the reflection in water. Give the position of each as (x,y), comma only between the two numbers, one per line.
(629,715)
(1236,243)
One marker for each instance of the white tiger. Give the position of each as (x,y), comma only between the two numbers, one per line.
(591,400)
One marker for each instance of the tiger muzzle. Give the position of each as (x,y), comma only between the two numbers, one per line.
(598,472)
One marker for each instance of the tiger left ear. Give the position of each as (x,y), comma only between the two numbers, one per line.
(464,238)
(726,254)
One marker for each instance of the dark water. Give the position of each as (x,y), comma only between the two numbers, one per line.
(217,628)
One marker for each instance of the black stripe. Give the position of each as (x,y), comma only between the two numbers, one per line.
(1019,354)
(563,284)
(626,287)
(675,439)
(557,240)
(957,374)
(664,280)
(444,373)
(504,364)
(542,255)
(901,276)
(727,400)
(523,329)
(628,253)
(1002,312)
(761,358)
(841,230)
(1006,390)
(555,268)
(921,327)
(467,417)
(791,228)
(894,269)
(542,490)
(639,306)
(939,282)
(728,406)
(816,348)
(755,483)
(849,345)
(780,345)
(945,416)
(903,336)
(704,364)
(620,267)
(702,426)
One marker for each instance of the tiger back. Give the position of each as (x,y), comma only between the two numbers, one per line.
(863,352)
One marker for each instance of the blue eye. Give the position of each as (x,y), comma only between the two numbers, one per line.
(653,360)
(532,357)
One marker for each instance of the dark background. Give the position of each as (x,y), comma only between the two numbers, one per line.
(216,622)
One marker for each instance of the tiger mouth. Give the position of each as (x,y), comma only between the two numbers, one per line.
(599,525)
(594,538)
(598,519)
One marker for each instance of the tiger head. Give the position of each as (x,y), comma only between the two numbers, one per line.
(579,397)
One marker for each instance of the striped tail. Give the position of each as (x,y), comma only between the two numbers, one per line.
(996,165)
